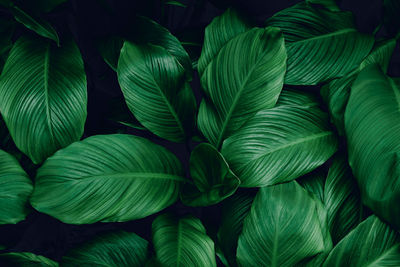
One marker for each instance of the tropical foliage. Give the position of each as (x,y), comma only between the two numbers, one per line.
(272,144)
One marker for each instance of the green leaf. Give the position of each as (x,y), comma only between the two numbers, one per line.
(43,96)
(233,212)
(372,243)
(283,228)
(26,259)
(182,242)
(328,4)
(213,180)
(15,189)
(314,182)
(155,90)
(36,24)
(219,32)
(108,178)
(336,93)
(280,144)
(372,120)
(110,49)
(111,249)
(321,44)
(175,3)
(257,60)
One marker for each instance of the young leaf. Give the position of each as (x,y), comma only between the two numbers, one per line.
(43,96)
(279,144)
(283,228)
(26,259)
(321,44)
(108,178)
(15,189)
(213,180)
(372,243)
(257,60)
(182,242)
(222,29)
(111,249)
(155,90)
(372,120)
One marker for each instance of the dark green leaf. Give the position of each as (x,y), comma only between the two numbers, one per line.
(175,3)
(213,180)
(26,259)
(155,90)
(110,49)
(258,81)
(6,32)
(182,242)
(120,249)
(43,96)
(372,120)
(107,178)
(328,4)
(283,227)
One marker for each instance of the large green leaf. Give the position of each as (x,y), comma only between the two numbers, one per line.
(283,227)
(26,259)
(372,243)
(213,180)
(156,91)
(372,124)
(321,44)
(336,93)
(107,178)
(182,242)
(43,96)
(222,29)
(15,189)
(233,212)
(246,76)
(280,144)
(120,249)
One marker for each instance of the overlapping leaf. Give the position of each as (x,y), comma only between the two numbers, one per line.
(372,243)
(213,181)
(321,44)
(182,242)
(113,249)
(283,228)
(15,189)
(26,259)
(372,125)
(43,96)
(239,84)
(156,91)
(280,144)
(107,178)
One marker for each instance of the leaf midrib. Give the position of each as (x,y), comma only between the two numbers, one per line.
(150,175)
(46,67)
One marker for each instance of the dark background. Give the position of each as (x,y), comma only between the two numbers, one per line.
(91,20)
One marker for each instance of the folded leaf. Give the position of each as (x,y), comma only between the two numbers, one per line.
(282,228)
(108,178)
(321,44)
(372,243)
(26,259)
(336,93)
(112,249)
(43,96)
(222,29)
(279,144)
(372,124)
(246,76)
(213,180)
(182,242)
(156,91)
(15,189)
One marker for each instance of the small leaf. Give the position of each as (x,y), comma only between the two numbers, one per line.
(26,259)
(182,242)
(213,180)
(108,178)
(111,249)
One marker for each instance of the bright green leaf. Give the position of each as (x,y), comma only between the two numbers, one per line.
(213,180)
(108,178)
(258,78)
(43,96)
(182,242)
(26,259)
(120,249)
